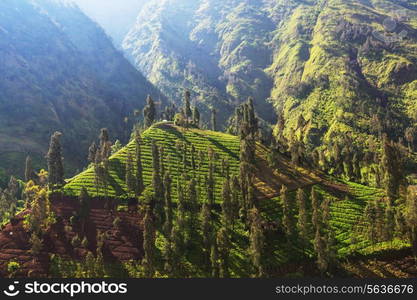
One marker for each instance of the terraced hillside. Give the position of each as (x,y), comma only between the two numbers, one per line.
(348,200)
(122,243)
(347,204)
(167,136)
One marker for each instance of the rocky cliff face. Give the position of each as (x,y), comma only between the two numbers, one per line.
(341,64)
(59,71)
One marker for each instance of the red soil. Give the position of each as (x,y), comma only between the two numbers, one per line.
(122,244)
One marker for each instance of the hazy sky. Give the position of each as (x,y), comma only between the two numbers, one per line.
(115,16)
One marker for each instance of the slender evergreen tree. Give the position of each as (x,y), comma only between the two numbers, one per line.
(214,260)
(149,112)
(223,242)
(129,177)
(315,220)
(320,250)
(196,116)
(187,106)
(227,206)
(29,172)
(149,244)
(161,161)
(391,166)
(302,223)
(356,161)
(193,152)
(140,187)
(193,209)
(370,214)
(252,119)
(207,230)
(411,217)
(92,151)
(211,184)
(105,144)
(98,172)
(176,251)
(328,257)
(54,159)
(84,200)
(157,184)
(251,195)
(288,220)
(182,212)
(170,112)
(389,222)
(168,204)
(236,197)
(410,136)
(36,245)
(213,119)
(257,242)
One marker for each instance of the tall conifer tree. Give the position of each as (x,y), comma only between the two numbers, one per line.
(54,159)
(140,187)
(149,112)
(257,241)
(129,178)
(157,184)
(29,172)
(149,244)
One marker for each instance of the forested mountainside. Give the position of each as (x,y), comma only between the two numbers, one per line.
(59,71)
(344,65)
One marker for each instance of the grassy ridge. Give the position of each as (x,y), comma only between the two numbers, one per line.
(226,146)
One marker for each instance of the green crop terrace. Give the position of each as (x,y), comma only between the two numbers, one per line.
(346,209)
(167,136)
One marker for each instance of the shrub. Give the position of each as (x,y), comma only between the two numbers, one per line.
(76,242)
(179,120)
(84,243)
(73,220)
(117,223)
(12,268)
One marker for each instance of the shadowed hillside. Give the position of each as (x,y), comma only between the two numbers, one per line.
(60,72)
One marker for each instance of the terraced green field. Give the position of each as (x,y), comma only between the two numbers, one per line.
(347,203)
(346,219)
(166,135)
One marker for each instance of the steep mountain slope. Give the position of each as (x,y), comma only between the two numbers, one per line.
(350,67)
(59,71)
(335,62)
(203,46)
